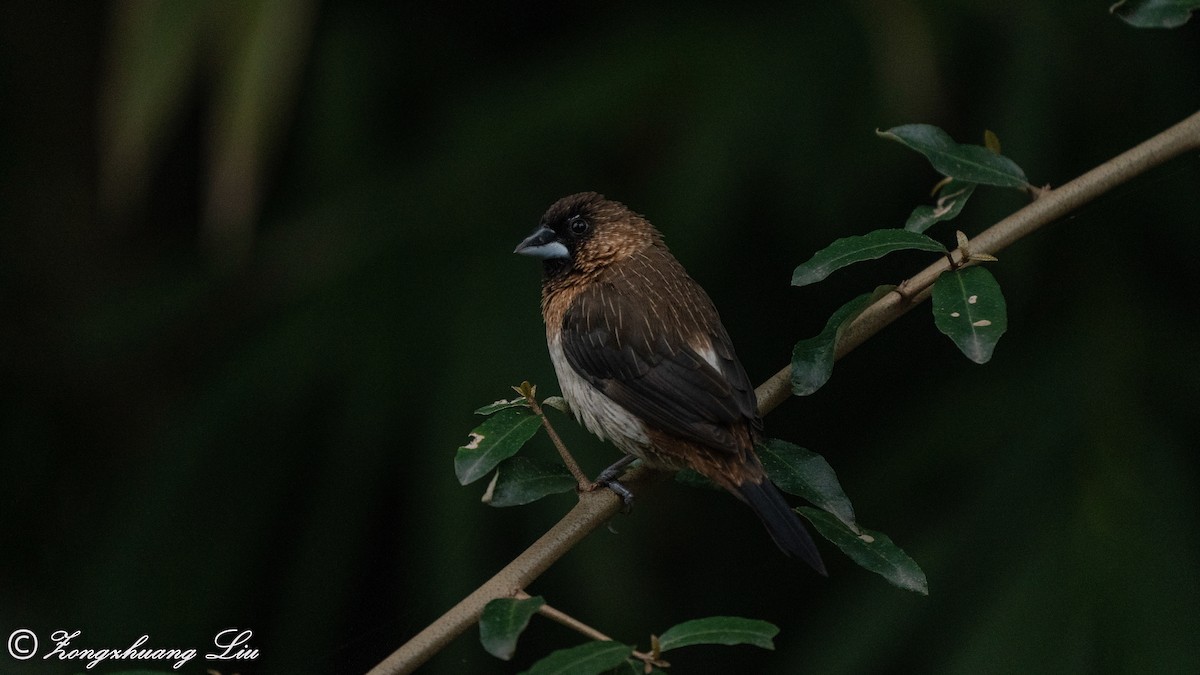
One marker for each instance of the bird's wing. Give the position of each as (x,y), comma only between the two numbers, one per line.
(649,350)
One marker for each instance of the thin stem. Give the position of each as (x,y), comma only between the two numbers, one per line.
(581,478)
(566,620)
(561,617)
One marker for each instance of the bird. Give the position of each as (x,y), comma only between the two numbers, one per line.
(643,359)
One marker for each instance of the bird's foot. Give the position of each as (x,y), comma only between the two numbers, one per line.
(608,479)
(621,491)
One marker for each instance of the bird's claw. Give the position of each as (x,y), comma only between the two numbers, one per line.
(622,492)
(618,489)
(608,479)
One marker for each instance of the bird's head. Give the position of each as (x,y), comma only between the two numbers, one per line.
(585,232)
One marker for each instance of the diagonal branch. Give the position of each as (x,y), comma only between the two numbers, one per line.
(1050,206)
(596,508)
(593,510)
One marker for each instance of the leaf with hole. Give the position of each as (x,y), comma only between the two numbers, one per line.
(872,550)
(850,250)
(521,480)
(966,162)
(502,622)
(969,308)
(494,441)
(502,404)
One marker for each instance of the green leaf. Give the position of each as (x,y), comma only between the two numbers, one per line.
(521,480)
(518,402)
(1155,13)
(849,250)
(969,308)
(870,549)
(951,200)
(812,358)
(502,622)
(806,474)
(494,441)
(719,630)
(586,659)
(970,163)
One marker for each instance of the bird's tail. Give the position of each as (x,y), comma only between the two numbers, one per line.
(782,522)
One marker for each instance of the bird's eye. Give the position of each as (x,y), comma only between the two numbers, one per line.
(578,226)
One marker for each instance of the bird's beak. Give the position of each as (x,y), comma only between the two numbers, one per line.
(543,243)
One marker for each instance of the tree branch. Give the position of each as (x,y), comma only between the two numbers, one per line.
(596,508)
(1049,206)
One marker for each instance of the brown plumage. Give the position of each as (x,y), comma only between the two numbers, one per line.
(643,359)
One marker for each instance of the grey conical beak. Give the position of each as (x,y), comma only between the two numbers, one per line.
(543,243)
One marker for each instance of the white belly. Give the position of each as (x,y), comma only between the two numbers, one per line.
(597,412)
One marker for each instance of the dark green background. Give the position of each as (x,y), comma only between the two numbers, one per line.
(256,429)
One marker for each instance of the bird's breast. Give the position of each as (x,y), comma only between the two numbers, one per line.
(597,412)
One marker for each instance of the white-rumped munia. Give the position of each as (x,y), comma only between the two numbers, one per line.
(643,359)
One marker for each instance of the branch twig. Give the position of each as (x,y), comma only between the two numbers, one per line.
(561,617)
(530,394)
(596,508)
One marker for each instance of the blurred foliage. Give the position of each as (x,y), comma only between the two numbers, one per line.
(256,276)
